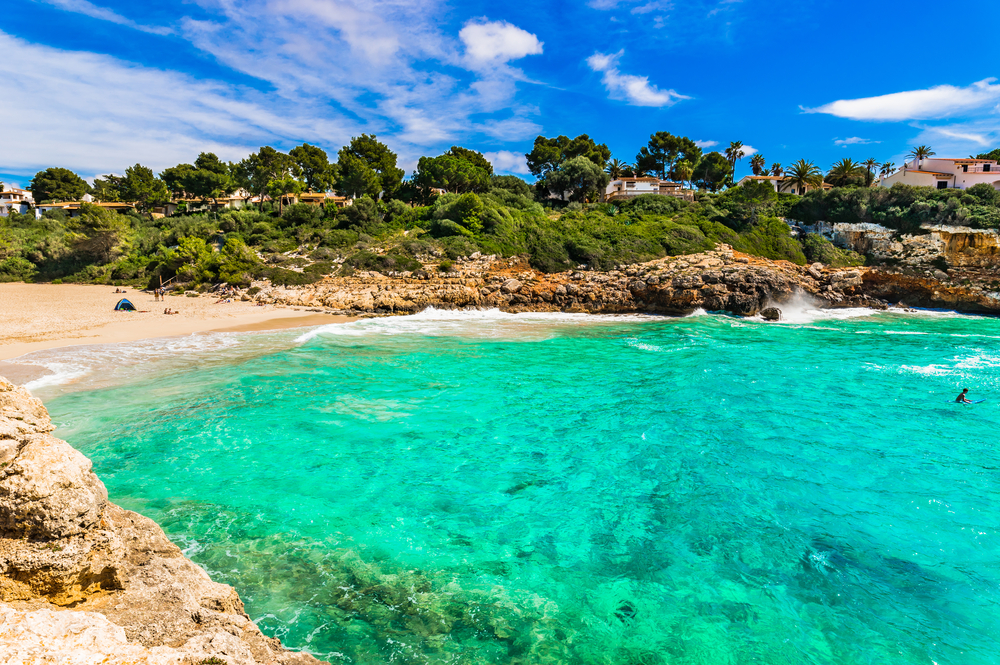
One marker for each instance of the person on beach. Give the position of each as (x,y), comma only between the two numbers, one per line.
(962,399)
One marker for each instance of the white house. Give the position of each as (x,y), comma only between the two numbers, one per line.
(781,184)
(626,188)
(946,173)
(18,200)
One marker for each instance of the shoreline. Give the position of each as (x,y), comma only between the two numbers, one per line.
(39,317)
(134,331)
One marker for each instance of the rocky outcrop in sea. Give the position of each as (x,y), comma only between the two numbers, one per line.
(85,581)
(718,280)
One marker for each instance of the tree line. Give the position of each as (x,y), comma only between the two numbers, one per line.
(577,169)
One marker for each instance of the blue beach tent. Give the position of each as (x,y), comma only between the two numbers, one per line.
(124,306)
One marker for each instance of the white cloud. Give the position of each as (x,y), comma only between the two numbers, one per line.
(498,42)
(506,161)
(938,102)
(332,68)
(706,144)
(361,55)
(636,90)
(854,140)
(748,150)
(962,134)
(95,114)
(104,14)
(647,8)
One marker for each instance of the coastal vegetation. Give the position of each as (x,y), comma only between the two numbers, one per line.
(452,205)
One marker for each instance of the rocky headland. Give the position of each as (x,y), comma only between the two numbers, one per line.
(717,280)
(84,581)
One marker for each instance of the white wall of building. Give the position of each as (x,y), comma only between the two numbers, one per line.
(958,174)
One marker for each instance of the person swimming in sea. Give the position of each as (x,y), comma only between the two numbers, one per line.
(962,399)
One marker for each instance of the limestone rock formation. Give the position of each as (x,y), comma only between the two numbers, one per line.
(717,280)
(84,581)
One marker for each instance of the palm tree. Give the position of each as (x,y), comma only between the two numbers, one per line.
(776,169)
(684,170)
(637,171)
(803,174)
(757,164)
(734,153)
(870,165)
(616,168)
(844,172)
(886,169)
(920,153)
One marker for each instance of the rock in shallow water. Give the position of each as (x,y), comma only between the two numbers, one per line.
(771,314)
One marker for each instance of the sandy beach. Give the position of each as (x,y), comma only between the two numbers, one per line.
(34,317)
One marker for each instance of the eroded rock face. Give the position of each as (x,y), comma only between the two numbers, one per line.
(135,598)
(717,280)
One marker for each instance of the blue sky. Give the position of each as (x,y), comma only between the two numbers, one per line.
(98,85)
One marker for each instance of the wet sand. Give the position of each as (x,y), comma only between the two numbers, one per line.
(34,317)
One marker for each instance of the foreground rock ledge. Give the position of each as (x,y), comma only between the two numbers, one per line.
(84,581)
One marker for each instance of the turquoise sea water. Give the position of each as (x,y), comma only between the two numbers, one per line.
(480,488)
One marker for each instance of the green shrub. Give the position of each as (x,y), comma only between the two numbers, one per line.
(365,260)
(253,290)
(17,269)
(772,239)
(446,266)
(457,247)
(300,214)
(818,249)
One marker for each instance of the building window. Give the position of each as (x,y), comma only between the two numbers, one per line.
(942,184)
(965,168)
(986,168)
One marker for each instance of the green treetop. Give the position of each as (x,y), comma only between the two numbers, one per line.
(256,172)
(317,171)
(578,177)
(548,154)
(57,184)
(712,172)
(458,170)
(368,167)
(142,187)
(663,151)
(802,174)
(846,173)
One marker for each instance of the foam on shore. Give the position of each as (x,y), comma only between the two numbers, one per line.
(469,322)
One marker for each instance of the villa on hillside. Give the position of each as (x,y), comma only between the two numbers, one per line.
(317,199)
(781,184)
(72,208)
(946,173)
(626,188)
(13,198)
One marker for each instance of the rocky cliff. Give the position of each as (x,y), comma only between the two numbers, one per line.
(84,581)
(719,280)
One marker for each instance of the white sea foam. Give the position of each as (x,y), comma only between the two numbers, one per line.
(636,344)
(467,322)
(75,363)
